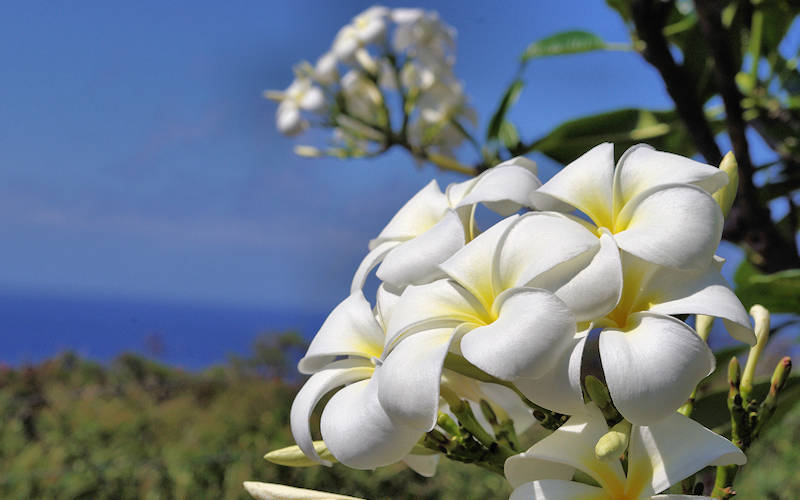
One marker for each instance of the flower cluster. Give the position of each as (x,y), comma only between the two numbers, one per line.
(384,59)
(585,280)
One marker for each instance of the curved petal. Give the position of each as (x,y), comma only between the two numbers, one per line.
(652,366)
(385,299)
(675,447)
(416,261)
(560,388)
(339,373)
(504,189)
(641,168)
(272,491)
(419,214)
(424,465)
(590,284)
(349,330)
(699,292)
(435,305)
(313,100)
(554,489)
(538,242)
(472,266)
(532,329)
(674,226)
(359,433)
(408,379)
(373,258)
(288,119)
(570,447)
(587,184)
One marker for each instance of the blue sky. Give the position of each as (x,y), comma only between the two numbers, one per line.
(137,157)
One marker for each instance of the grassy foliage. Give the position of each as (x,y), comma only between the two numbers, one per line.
(136,429)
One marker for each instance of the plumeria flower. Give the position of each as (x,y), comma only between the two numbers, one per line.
(346,352)
(423,36)
(651,361)
(433,224)
(367,28)
(521,298)
(326,71)
(656,205)
(659,455)
(302,94)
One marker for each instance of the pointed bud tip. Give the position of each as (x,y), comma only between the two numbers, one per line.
(726,195)
(781,374)
(293,456)
(734,371)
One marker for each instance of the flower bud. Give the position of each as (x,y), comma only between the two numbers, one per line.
(292,456)
(307,151)
(727,194)
(614,442)
(272,491)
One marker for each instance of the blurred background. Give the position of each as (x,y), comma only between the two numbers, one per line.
(149,206)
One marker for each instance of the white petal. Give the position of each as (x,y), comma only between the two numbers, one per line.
(674,448)
(340,373)
(504,189)
(435,305)
(289,120)
(568,448)
(349,330)
(358,432)
(553,489)
(408,380)
(313,100)
(532,329)
(419,214)
(416,261)
(538,242)
(385,299)
(559,389)
(699,292)
(642,167)
(272,491)
(424,465)
(652,366)
(472,266)
(587,184)
(590,284)
(675,226)
(373,258)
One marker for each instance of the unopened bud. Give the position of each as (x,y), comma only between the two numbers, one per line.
(272,491)
(598,393)
(366,61)
(760,316)
(734,372)
(727,194)
(307,151)
(781,374)
(293,456)
(703,324)
(614,442)
(273,95)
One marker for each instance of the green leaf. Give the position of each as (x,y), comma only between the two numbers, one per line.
(625,127)
(779,292)
(568,42)
(509,135)
(510,96)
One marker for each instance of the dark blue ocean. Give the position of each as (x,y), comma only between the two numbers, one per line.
(37,326)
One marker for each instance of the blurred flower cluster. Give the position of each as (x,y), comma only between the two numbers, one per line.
(386,80)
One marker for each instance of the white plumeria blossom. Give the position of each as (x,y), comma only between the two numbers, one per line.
(433,225)
(367,28)
(659,455)
(656,205)
(302,94)
(354,426)
(423,35)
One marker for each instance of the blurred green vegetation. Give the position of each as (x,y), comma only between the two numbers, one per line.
(138,429)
